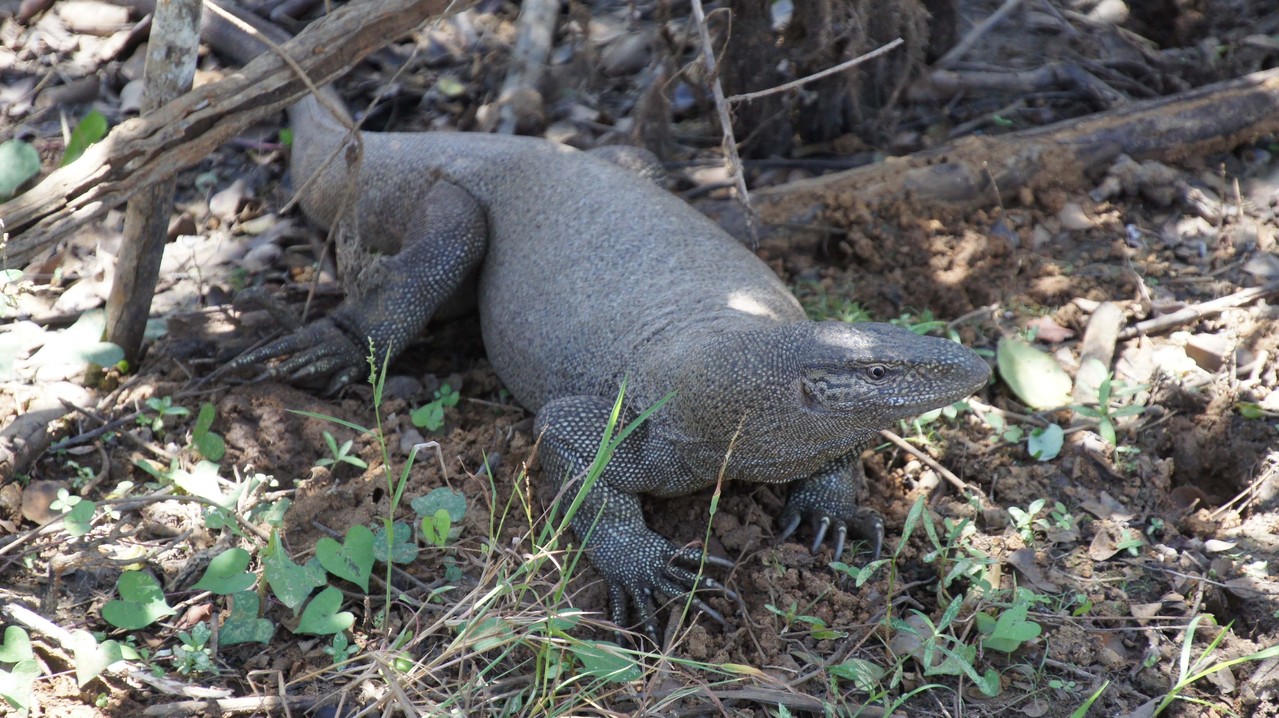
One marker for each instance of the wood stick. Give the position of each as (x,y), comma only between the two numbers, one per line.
(957,177)
(1203,309)
(145,150)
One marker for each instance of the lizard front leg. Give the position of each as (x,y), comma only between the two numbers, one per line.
(831,498)
(391,297)
(638,564)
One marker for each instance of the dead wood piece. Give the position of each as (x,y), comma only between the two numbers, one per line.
(521,107)
(170,68)
(958,176)
(28,434)
(143,151)
(1198,311)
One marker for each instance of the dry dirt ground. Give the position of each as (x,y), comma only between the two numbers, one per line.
(1176,522)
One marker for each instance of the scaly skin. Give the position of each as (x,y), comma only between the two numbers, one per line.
(588,275)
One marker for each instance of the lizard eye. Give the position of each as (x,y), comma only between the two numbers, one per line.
(877,372)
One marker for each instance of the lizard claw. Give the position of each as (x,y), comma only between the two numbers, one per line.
(656,570)
(320,349)
(826,513)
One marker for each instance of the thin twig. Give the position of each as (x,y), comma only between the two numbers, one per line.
(954,480)
(963,46)
(817,75)
(1198,311)
(725,120)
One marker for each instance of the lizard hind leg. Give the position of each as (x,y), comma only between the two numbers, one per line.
(390,297)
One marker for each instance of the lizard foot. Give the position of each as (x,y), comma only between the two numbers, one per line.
(318,350)
(826,512)
(642,568)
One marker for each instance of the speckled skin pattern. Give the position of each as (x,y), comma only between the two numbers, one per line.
(589,275)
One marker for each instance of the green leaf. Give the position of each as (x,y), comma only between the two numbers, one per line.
(1249,410)
(454,502)
(226,573)
(321,615)
(90,129)
(1012,629)
(428,416)
(864,674)
(399,549)
(91,659)
(352,559)
(210,445)
(1033,375)
(204,482)
(17,686)
(19,162)
(141,602)
(16,646)
(1044,443)
(243,625)
(606,661)
(290,582)
(79,520)
(435,529)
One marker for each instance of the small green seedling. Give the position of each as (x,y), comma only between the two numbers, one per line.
(194,656)
(352,559)
(1012,629)
(163,407)
(1105,413)
(441,510)
(431,415)
(341,649)
(77,512)
(340,454)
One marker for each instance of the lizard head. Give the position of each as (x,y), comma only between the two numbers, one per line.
(876,374)
(792,397)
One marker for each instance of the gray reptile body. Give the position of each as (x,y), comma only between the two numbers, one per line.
(590,275)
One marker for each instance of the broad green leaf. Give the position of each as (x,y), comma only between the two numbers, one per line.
(210,445)
(90,129)
(1044,443)
(141,602)
(1012,629)
(91,659)
(204,482)
(435,529)
(243,625)
(79,520)
(17,686)
(1033,375)
(19,162)
(291,583)
(488,633)
(401,548)
(451,501)
(16,646)
(606,661)
(322,617)
(352,559)
(864,674)
(226,573)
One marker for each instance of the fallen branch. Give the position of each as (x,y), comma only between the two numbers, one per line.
(958,176)
(145,150)
(1197,311)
